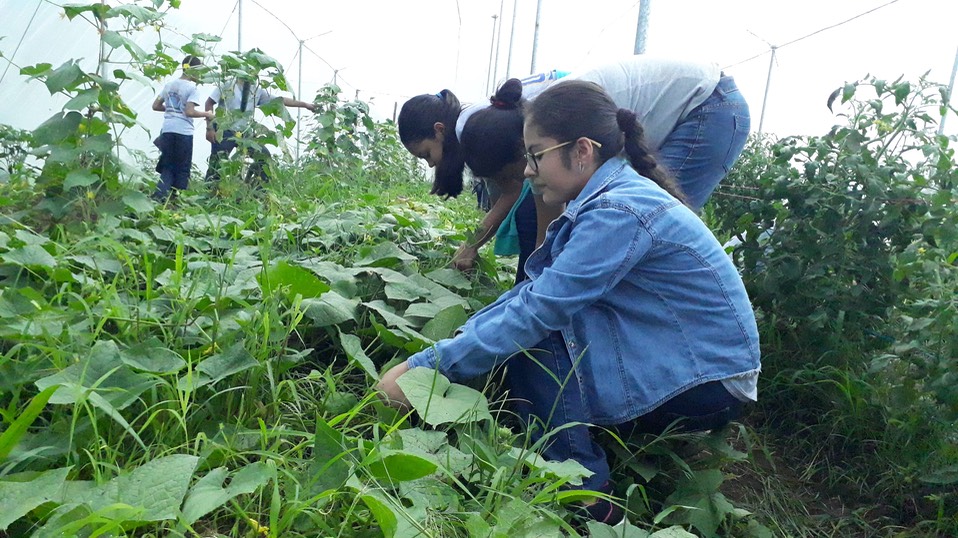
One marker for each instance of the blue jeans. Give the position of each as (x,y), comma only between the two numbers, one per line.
(546,395)
(176,157)
(701,149)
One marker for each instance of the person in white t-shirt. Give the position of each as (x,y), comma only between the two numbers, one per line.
(243,97)
(178,102)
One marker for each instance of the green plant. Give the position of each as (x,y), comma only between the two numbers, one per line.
(846,243)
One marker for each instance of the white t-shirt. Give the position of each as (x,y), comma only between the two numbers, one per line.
(175,95)
(661,91)
(232,96)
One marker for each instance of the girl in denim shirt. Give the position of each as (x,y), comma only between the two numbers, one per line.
(631,303)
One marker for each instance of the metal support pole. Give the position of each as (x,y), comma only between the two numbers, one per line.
(239,26)
(768,82)
(299,95)
(642,28)
(492,47)
(101,61)
(951,89)
(535,38)
(495,69)
(512,35)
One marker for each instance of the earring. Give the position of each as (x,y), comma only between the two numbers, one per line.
(581,166)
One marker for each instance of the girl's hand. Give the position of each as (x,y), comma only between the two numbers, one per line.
(390,391)
(465,258)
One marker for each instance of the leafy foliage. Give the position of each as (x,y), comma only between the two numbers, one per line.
(848,246)
(205,369)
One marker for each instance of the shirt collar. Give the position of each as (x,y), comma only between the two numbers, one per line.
(597,183)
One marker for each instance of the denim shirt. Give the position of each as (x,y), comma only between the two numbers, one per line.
(647,301)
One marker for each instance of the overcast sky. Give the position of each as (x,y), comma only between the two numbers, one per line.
(389,50)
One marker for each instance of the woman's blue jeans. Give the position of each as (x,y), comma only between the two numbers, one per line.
(701,149)
(546,395)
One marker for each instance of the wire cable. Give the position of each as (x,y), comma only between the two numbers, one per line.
(17,49)
(806,36)
(227,23)
(281,21)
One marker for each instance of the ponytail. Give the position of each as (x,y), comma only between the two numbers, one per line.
(492,137)
(641,158)
(416,121)
(572,109)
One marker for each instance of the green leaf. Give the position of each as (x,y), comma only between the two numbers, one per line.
(66,77)
(101,371)
(100,144)
(12,435)
(209,38)
(208,493)
(848,91)
(601,530)
(294,280)
(58,128)
(445,323)
(384,310)
(116,40)
(19,495)
(330,309)
(400,288)
(157,487)
(425,311)
(452,278)
(79,178)
(400,466)
(133,13)
(440,402)
(83,99)
(30,238)
(29,256)
(220,366)
(35,70)
(945,476)
(329,468)
(386,517)
(99,10)
(138,202)
(901,91)
(153,356)
(385,254)
(354,350)
(569,471)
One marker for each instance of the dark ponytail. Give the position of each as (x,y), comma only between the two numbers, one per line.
(492,137)
(641,157)
(416,120)
(573,109)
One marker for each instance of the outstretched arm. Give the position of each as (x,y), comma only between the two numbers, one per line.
(465,257)
(288,101)
(192,112)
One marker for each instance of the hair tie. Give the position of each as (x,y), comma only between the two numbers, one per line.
(499,103)
(439,95)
